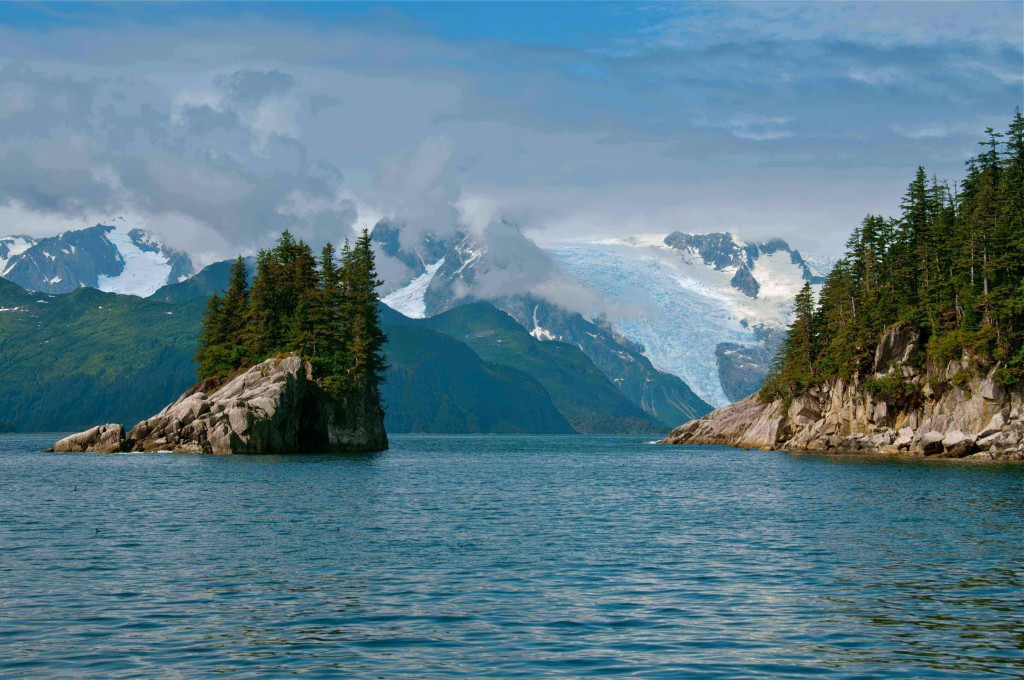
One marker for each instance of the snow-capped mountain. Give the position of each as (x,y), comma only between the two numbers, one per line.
(502,266)
(109,258)
(11,247)
(708,308)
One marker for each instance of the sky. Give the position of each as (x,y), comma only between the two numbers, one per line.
(218,125)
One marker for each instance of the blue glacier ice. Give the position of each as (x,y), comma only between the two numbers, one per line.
(678,308)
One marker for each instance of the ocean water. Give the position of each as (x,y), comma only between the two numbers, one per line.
(508,557)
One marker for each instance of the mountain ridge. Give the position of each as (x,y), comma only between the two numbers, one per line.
(104,257)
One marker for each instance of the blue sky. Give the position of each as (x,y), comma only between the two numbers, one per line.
(218,124)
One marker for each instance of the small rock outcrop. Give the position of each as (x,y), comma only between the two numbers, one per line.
(101,439)
(274,407)
(901,408)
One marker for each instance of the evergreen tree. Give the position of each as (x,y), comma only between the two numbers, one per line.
(796,367)
(326,313)
(213,353)
(952,264)
(364,337)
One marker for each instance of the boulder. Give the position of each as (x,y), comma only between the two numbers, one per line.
(957,444)
(904,439)
(930,443)
(989,441)
(274,407)
(100,439)
(994,426)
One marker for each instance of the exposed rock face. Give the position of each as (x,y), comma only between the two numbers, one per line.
(979,418)
(742,368)
(275,407)
(101,439)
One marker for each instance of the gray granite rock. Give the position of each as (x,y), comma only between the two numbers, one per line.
(274,407)
(101,439)
(941,420)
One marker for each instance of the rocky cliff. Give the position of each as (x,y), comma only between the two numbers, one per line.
(904,406)
(274,407)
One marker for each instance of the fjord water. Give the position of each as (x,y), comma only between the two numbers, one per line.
(507,557)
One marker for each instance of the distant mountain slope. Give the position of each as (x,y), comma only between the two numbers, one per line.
(663,396)
(437,384)
(104,257)
(211,279)
(726,252)
(577,387)
(688,320)
(493,266)
(71,361)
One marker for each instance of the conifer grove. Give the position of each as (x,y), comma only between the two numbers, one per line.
(951,264)
(323,308)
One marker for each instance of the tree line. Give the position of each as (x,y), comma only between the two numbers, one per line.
(951,264)
(325,309)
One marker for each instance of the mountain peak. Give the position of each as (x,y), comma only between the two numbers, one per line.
(103,256)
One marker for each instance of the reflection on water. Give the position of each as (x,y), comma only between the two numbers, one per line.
(506,556)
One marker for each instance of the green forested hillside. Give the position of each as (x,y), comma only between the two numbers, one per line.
(71,361)
(577,387)
(438,384)
(951,264)
(68,362)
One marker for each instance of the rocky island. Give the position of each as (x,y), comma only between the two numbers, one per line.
(932,413)
(274,407)
(915,341)
(292,365)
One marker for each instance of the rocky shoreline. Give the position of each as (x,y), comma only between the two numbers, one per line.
(951,412)
(273,407)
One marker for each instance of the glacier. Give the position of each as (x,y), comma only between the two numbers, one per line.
(11,247)
(675,305)
(144,271)
(409,300)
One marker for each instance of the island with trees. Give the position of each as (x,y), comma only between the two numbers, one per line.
(289,364)
(915,342)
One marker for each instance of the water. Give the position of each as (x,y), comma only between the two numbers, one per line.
(507,557)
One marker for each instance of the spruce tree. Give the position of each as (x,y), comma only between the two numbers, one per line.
(952,265)
(213,354)
(795,368)
(364,337)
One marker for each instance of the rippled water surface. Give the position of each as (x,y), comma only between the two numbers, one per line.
(507,557)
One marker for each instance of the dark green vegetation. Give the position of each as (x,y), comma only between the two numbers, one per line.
(437,384)
(951,265)
(325,311)
(589,401)
(71,361)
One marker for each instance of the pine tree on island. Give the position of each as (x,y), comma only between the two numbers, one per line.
(951,265)
(324,310)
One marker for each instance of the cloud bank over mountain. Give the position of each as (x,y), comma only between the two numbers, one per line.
(216,127)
